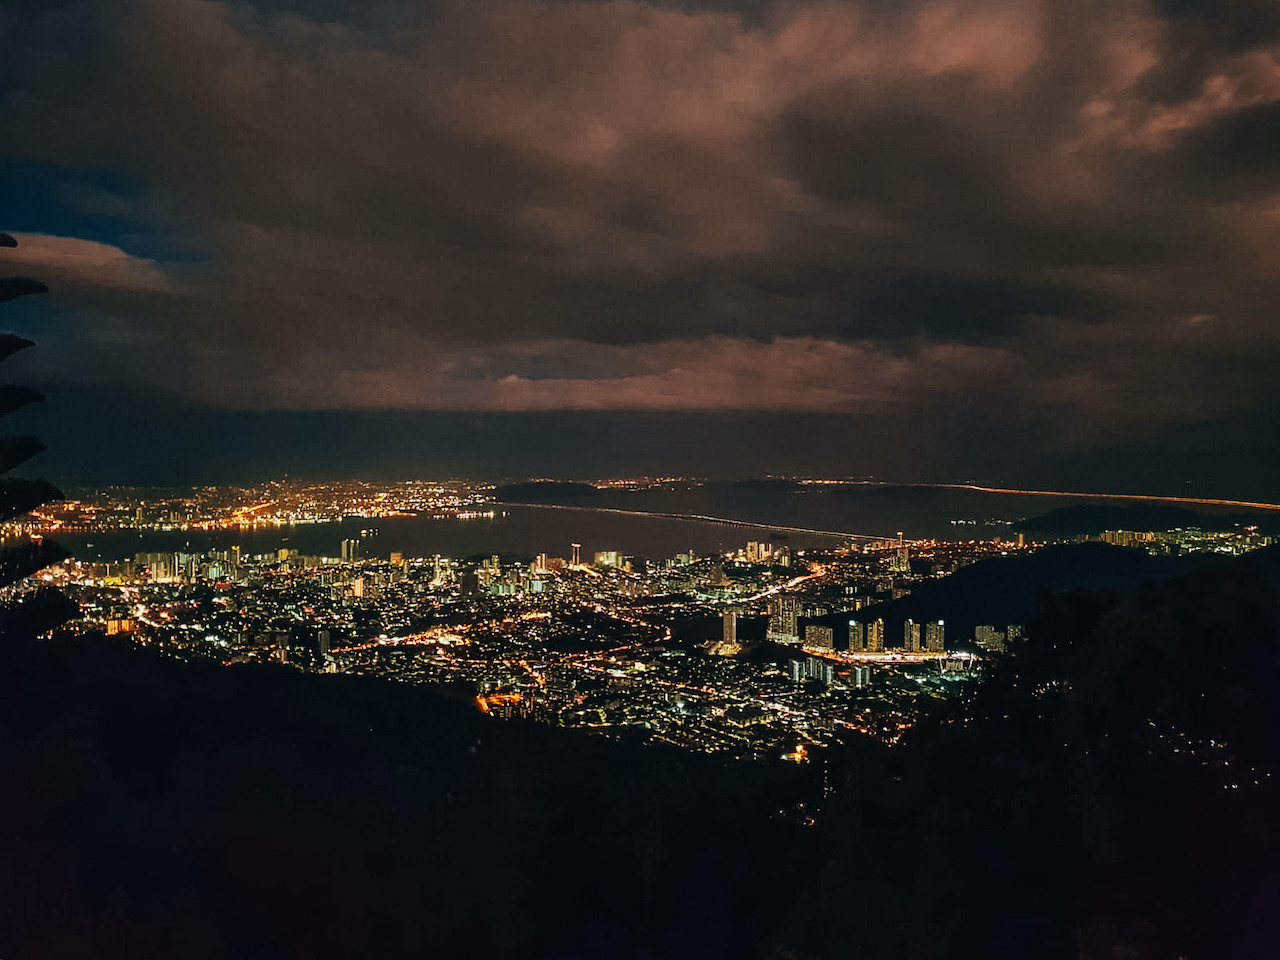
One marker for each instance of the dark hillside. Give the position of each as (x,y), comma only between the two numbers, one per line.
(167,809)
(1006,590)
(1110,791)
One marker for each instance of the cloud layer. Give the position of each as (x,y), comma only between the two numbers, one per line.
(1064,214)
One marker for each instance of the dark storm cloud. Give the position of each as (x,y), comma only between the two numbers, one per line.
(1223,25)
(1238,154)
(1059,217)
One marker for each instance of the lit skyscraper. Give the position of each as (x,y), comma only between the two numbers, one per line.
(819,637)
(935,636)
(857,636)
(812,668)
(875,636)
(784,620)
(911,637)
(901,560)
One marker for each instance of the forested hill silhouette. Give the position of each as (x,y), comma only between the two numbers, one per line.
(1005,590)
(170,809)
(1109,791)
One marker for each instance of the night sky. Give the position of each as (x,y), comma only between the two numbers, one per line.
(1019,243)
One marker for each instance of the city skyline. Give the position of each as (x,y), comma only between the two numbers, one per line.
(1019,244)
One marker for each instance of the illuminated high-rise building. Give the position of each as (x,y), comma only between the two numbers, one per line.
(163,567)
(812,668)
(911,637)
(857,636)
(784,620)
(819,637)
(901,560)
(985,636)
(935,636)
(875,636)
(577,554)
(730,626)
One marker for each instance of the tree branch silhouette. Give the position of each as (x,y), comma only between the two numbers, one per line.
(43,609)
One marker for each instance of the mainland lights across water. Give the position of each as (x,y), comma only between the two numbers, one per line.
(520,530)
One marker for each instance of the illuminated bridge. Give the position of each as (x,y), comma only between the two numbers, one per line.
(720,522)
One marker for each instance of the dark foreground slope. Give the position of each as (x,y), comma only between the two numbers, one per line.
(1111,791)
(159,809)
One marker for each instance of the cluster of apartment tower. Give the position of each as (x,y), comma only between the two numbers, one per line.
(864,636)
(869,637)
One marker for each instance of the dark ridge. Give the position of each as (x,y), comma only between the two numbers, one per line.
(763,485)
(7,241)
(1005,590)
(1091,520)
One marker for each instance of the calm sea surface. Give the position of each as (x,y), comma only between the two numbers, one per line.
(524,531)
